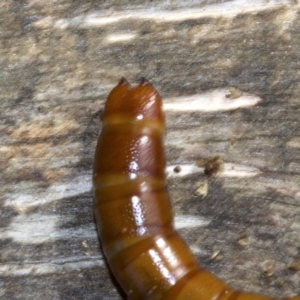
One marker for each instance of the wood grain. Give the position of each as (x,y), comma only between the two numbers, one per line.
(58,63)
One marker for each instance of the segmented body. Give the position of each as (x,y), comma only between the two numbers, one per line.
(132,206)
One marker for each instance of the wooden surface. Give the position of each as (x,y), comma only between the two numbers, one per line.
(60,59)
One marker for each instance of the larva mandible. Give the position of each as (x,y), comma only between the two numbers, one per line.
(132,207)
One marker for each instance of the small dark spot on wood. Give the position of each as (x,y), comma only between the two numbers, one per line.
(177,169)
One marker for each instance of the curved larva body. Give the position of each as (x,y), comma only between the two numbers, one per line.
(132,207)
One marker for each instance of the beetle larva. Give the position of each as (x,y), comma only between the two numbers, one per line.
(132,206)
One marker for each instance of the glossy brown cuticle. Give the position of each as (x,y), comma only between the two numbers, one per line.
(132,207)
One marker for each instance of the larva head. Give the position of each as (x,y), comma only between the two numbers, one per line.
(134,104)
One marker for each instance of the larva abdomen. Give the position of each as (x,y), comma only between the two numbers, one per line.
(132,207)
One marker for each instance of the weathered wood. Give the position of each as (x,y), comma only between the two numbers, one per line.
(58,63)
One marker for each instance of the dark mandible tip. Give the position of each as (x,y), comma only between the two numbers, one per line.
(123,81)
(144,81)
